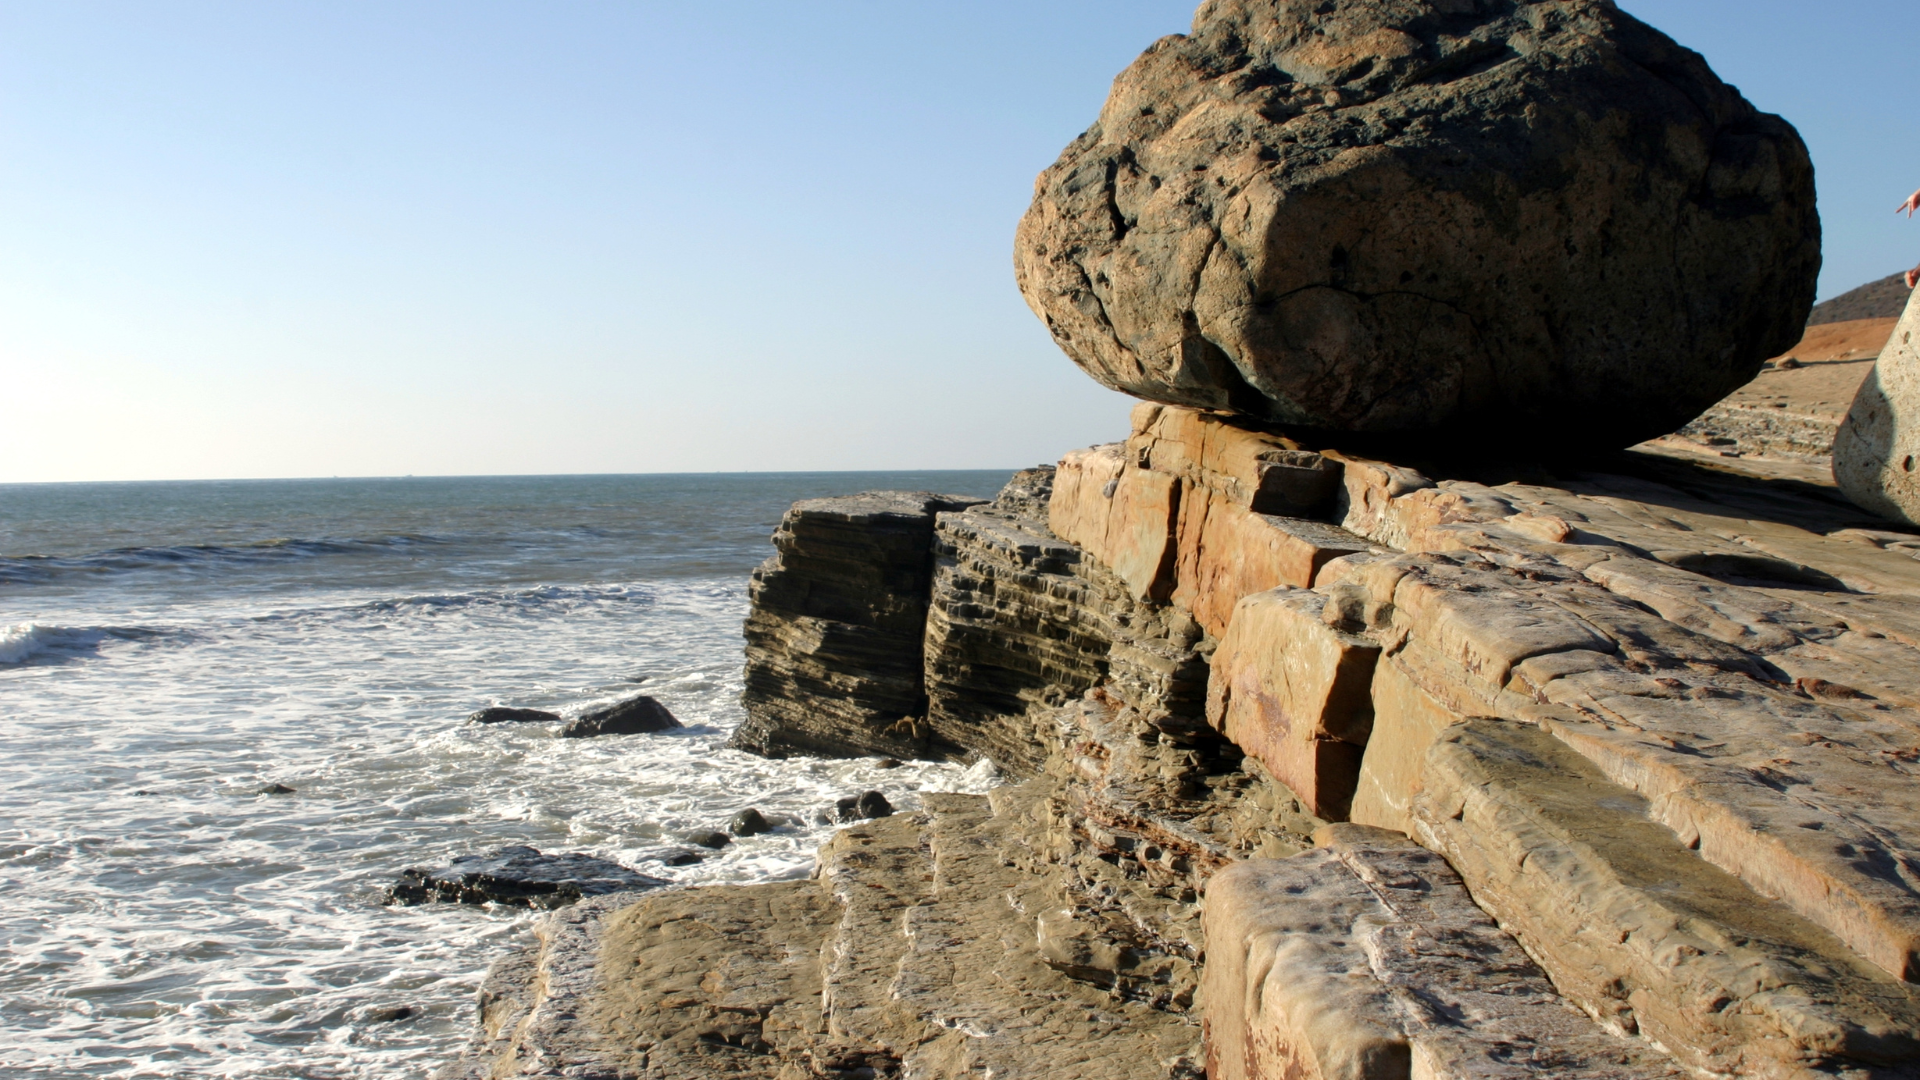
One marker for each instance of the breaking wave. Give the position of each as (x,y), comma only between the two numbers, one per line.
(29,642)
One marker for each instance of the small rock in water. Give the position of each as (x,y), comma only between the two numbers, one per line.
(635,716)
(708,838)
(276,789)
(887,763)
(871,804)
(748,822)
(681,857)
(520,876)
(144,791)
(505,714)
(390,1015)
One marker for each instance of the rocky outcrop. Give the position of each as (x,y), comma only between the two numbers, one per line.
(1875,452)
(1721,662)
(834,661)
(1505,219)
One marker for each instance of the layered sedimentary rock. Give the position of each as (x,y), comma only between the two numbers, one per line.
(834,662)
(1725,663)
(1875,453)
(1499,219)
(1022,622)
(1367,958)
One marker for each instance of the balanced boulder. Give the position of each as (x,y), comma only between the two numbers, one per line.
(1478,217)
(1877,451)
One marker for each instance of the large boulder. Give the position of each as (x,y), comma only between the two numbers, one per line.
(1478,217)
(1876,455)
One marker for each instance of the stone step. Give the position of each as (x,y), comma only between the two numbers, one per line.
(1367,960)
(1639,930)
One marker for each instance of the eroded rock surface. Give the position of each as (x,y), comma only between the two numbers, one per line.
(915,952)
(1500,218)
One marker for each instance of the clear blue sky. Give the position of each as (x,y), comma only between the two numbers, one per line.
(345,238)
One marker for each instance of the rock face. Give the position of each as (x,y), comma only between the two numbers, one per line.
(1535,220)
(1878,448)
(834,662)
(518,876)
(640,715)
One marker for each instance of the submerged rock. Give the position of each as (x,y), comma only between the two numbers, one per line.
(708,838)
(748,822)
(276,789)
(640,715)
(1494,219)
(520,876)
(682,857)
(860,807)
(505,714)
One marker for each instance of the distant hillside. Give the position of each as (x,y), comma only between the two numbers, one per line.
(1881,299)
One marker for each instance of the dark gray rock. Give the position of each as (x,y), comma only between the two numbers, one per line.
(860,807)
(276,789)
(640,715)
(504,714)
(834,664)
(1493,219)
(682,857)
(518,876)
(748,822)
(708,838)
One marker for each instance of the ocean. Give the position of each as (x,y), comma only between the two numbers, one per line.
(168,650)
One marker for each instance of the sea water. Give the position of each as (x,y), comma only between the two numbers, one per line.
(168,650)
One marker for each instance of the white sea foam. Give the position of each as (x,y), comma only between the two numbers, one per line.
(167,920)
